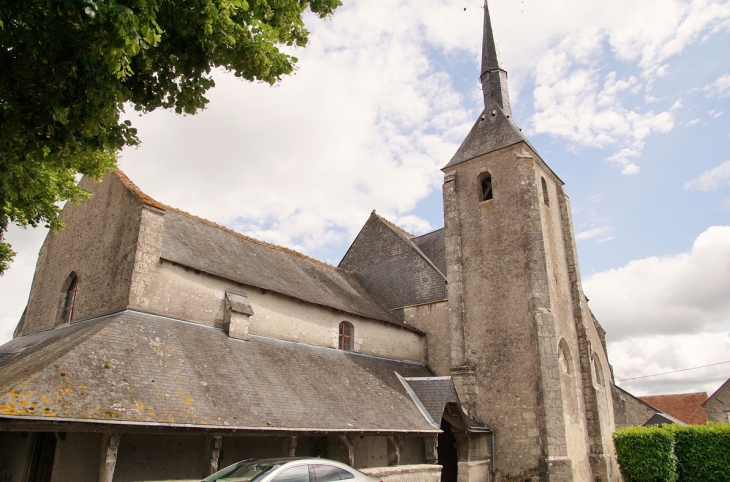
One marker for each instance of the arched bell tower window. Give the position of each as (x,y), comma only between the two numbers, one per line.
(347,333)
(70,289)
(545,196)
(485,187)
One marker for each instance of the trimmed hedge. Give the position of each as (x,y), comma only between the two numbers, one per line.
(703,452)
(695,453)
(646,454)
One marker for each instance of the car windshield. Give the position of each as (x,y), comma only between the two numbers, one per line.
(246,471)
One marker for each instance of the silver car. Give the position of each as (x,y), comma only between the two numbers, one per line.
(289,469)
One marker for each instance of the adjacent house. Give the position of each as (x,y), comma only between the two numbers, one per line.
(686,407)
(717,405)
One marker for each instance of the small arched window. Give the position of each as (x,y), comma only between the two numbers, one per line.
(347,333)
(485,187)
(565,358)
(599,370)
(71,287)
(545,196)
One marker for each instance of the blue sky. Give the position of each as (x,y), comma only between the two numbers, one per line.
(628,102)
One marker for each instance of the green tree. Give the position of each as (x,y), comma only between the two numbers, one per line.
(68,67)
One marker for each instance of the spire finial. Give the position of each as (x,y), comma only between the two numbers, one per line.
(493,77)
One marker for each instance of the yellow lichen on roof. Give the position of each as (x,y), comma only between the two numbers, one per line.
(151,202)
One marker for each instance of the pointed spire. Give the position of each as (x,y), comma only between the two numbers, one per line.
(493,77)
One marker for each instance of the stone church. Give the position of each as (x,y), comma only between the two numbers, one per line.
(156,345)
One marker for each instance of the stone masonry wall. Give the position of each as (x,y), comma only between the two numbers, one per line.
(596,391)
(180,292)
(98,244)
(629,410)
(433,318)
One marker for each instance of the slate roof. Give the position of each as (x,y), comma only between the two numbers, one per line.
(213,249)
(435,393)
(686,407)
(432,245)
(662,418)
(492,131)
(133,367)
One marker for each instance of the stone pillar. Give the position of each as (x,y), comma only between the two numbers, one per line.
(108,456)
(555,463)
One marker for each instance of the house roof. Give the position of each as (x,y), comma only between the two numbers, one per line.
(686,407)
(661,418)
(138,368)
(208,247)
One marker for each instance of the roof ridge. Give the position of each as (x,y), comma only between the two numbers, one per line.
(408,239)
(132,187)
(676,394)
(393,225)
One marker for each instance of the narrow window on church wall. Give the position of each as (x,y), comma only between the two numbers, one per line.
(565,359)
(598,369)
(347,333)
(485,187)
(545,196)
(71,287)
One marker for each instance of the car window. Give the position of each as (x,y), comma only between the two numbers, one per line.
(344,475)
(326,473)
(246,471)
(295,474)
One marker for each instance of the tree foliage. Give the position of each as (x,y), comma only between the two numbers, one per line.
(68,67)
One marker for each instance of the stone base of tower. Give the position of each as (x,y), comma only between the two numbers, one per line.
(602,467)
(557,469)
(477,471)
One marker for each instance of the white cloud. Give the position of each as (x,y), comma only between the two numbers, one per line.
(15,283)
(693,122)
(720,87)
(715,113)
(642,356)
(684,293)
(578,100)
(580,109)
(711,179)
(365,123)
(590,233)
(669,313)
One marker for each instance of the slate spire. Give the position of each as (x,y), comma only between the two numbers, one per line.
(493,77)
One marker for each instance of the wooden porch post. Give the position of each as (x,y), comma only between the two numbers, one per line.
(394,443)
(212,454)
(348,443)
(108,455)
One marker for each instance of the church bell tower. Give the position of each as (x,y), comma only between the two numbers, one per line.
(520,340)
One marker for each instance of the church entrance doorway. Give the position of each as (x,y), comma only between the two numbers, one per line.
(447,453)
